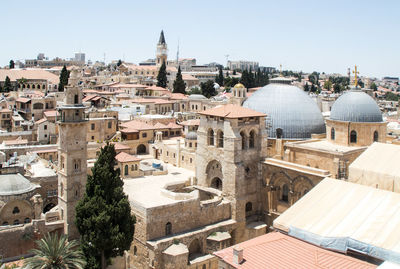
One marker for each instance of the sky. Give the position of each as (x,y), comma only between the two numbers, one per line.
(323,36)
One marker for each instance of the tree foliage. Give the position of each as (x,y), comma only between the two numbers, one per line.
(389,96)
(7,85)
(64,76)
(229,82)
(220,78)
(252,79)
(162,76)
(207,89)
(179,85)
(103,216)
(119,62)
(373,86)
(194,90)
(12,64)
(55,252)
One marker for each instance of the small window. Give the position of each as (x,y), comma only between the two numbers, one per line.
(16,222)
(285,193)
(92,127)
(353,136)
(109,125)
(252,139)
(27,220)
(92,137)
(15,210)
(220,139)
(76,101)
(45,127)
(333,133)
(210,137)
(5,223)
(126,170)
(376,136)
(144,135)
(168,228)
(249,207)
(279,133)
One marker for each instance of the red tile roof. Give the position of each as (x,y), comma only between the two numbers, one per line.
(5,110)
(41,121)
(15,142)
(159,125)
(231,112)
(137,125)
(123,157)
(276,250)
(173,125)
(51,113)
(23,100)
(119,146)
(195,122)
(156,88)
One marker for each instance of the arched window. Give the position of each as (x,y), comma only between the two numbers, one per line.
(210,137)
(5,223)
(75,99)
(376,136)
(285,193)
(33,86)
(15,210)
(168,228)
(16,222)
(279,133)
(216,183)
(27,220)
(243,136)
(220,139)
(249,207)
(38,86)
(251,139)
(332,133)
(126,172)
(134,250)
(353,136)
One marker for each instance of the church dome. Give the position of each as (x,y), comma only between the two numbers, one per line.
(191,136)
(14,184)
(239,85)
(356,106)
(288,108)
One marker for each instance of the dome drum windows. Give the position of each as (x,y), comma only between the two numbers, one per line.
(376,136)
(332,133)
(353,136)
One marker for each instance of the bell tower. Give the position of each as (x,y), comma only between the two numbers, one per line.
(162,50)
(72,154)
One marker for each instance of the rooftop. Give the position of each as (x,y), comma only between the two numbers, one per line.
(231,112)
(276,250)
(123,157)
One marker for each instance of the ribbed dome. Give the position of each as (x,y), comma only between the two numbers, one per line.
(191,136)
(289,108)
(13,184)
(356,106)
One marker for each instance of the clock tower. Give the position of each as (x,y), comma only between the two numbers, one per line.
(162,50)
(72,154)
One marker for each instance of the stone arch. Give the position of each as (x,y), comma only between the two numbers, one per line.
(216,183)
(301,185)
(25,210)
(141,149)
(194,249)
(278,181)
(213,171)
(48,207)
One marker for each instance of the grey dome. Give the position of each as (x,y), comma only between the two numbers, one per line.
(289,108)
(197,97)
(356,106)
(191,136)
(13,184)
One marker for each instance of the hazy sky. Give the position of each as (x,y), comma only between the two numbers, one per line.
(301,35)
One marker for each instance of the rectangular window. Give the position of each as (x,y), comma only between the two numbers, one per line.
(93,126)
(144,135)
(109,125)
(45,127)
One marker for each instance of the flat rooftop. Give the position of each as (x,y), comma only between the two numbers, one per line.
(146,190)
(323,145)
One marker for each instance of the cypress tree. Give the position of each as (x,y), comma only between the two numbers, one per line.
(64,75)
(207,88)
(220,78)
(7,85)
(179,84)
(103,216)
(12,64)
(162,76)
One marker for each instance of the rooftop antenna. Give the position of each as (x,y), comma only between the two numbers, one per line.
(280,72)
(104,58)
(226,56)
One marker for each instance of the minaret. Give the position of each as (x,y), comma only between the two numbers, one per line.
(162,50)
(72,154)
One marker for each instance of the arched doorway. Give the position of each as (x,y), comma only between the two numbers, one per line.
(141,149)
(216,183)
(48,207)
(194,249)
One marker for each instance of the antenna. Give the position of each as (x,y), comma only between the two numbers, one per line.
(177,55)
(226,56)
(104,58)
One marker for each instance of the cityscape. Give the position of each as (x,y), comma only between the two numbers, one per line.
(190,157)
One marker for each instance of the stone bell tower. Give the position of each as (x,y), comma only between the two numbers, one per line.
(162,50)
(72,154)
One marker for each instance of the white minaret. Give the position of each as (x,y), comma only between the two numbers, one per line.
(72,154)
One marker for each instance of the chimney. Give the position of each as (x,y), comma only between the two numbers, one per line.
(237,255)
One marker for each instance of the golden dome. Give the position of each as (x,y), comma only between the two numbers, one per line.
(239,85)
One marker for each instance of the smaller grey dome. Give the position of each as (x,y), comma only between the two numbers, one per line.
(191,136)
(197,97)
(356,106)
(14,184)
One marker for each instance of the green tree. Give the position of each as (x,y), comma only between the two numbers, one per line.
(327,85)
(389,96)
(64,76)
(12,64)
(220,78)
(7,85)
(119,62)
(207,89)
(194,90)
(337,88)
(306,88)
(103,216)
(162,76)
(179,85)
(55,252)
(373,86)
